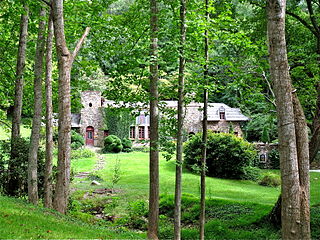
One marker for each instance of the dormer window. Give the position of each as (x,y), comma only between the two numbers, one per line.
(222,113)
(90,104)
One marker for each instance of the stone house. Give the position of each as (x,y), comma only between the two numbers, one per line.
(90,123)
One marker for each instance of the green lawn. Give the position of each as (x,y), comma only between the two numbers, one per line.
(5,133)
(243,203)
(134,181)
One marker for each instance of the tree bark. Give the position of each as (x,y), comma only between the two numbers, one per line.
(204,128)
(65,60)
(303,162)
(291,142)
(37,112)
(179,162)
(154,122)
(17,108)
(49,118)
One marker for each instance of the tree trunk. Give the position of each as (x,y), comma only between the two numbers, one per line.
(65,60)
(315,139)
(154,122)
(303,162)
(279,69)
(179,162)
(37,113)
(17,108)
(49,119)
(204,128)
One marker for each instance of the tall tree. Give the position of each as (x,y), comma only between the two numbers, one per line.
(179,161)
(204,125)
(16,118)
(292,141)
(49,118)
(37,112)
(154,125)
(65,60)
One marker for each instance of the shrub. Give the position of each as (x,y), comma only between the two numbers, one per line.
(82,153)
(227,155)
(251,173)
(127,145)
(18,175)
(270,180)
(274,159)
(112,144)
(77,140)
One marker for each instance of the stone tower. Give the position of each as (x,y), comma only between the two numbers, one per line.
(92,124)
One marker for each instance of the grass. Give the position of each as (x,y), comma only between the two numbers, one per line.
(25,131)
(20,220)
(83,164)
(230,198)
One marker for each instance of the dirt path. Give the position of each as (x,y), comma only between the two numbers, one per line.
(100,164)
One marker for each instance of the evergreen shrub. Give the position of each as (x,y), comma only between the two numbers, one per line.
(270,180)
(274,159)
(227,155)
(112,144)
(82,153)
(127,145)
(77,140)
(19,174)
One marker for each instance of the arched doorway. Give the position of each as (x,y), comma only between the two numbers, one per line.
(90,136)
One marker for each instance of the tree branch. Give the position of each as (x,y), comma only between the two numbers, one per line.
(312,17)
(79,44)
(47,3)
(302,21)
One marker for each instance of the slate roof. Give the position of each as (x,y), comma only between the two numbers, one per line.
(231,114)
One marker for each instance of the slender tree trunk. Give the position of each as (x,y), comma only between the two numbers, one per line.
(315,139)
(49,119)
(204,128)
(37,113)
(288,137)
(16,118)
(65,60)
(179,162)
(303,162)
(154,122)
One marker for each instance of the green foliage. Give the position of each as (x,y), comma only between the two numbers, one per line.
(19,173)
(77,140)
(274,159)
(251,173)
(270,180)
(82,153)
(116,173)
(137,213)
(127,145)
(112,144)
(227,155)
(118,121)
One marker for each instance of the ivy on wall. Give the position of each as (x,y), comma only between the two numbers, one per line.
(118,121)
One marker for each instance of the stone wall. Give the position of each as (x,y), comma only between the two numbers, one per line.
(92,115)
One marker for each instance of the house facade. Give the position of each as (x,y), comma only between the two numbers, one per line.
(90,122)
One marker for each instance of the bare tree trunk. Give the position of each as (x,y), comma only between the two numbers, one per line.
(279,69)
(154,122)
(315,139)
(204,129)
(179,162)
(49,119)
(16,118)
(37,113)
(65,60)
(303,162)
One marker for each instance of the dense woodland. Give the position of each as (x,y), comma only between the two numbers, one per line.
(260,56)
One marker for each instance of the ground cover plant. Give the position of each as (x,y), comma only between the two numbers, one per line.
(234,207)
(21,220)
